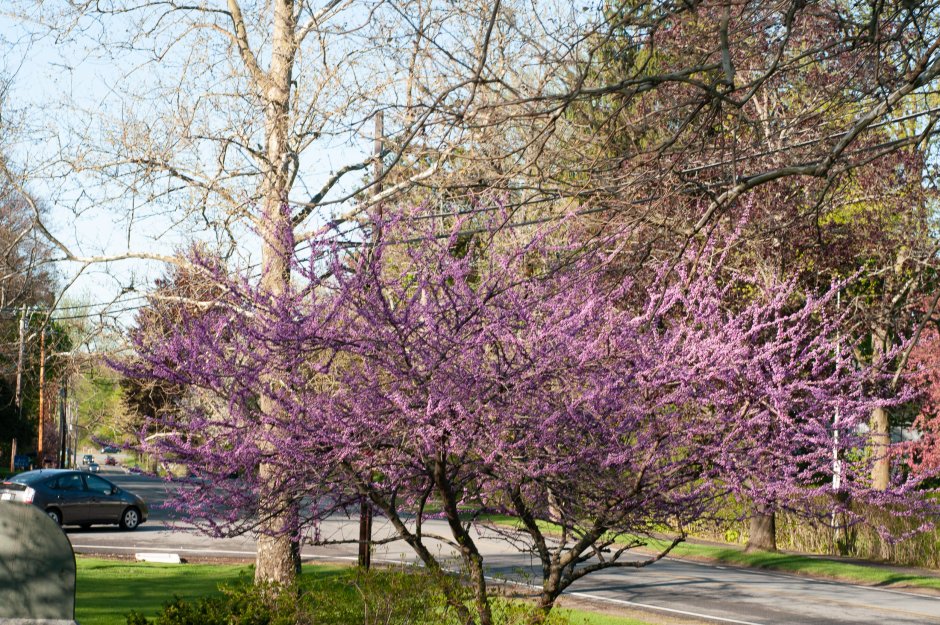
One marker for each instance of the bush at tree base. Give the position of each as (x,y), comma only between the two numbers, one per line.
(352,597)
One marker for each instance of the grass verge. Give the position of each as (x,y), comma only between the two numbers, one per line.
(109,589)
(872,574)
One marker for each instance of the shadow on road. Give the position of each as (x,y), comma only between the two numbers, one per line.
(112,529)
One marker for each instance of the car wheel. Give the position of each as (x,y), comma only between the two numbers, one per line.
(130,519)
(55,515)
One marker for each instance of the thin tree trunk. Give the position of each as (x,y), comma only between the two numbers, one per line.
(468,549)
(365,508)
(550,592)
(452,595)
(762,535)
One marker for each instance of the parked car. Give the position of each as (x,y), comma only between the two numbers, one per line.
(73,497)
(109,449)
(110,461)
(88,459)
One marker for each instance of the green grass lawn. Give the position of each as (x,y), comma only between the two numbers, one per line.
(579,617)
(108,589)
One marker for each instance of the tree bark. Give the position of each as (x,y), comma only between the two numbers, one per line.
(880,440)
(278,554)
(468,549)
(762,535)
(550,591)
(880,428)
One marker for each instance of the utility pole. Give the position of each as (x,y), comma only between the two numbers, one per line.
(42,389)
(63,398)
(19,362)
(365,508)
(73,431)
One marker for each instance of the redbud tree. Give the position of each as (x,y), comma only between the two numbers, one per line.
(922,455)
(515,376)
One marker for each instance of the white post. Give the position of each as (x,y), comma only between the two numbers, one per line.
(836,461)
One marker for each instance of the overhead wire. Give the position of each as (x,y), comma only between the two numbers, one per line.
(510,225)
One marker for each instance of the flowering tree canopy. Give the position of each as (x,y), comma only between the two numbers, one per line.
(922,456)
(513,376)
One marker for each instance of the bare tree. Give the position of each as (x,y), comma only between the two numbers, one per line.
(222,119)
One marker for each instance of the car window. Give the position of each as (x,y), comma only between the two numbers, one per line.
(98,485)
(70,482)
(26,478)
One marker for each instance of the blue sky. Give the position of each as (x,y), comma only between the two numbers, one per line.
(57,88)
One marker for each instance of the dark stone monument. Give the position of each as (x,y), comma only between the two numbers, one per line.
(37,568)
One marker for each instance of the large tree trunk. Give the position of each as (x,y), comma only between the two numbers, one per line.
(762,535)
(880,440)
(880,430)
(278,555)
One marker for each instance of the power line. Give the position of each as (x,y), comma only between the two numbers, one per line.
(529,222)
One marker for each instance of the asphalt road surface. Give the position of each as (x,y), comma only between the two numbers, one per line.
(700,592)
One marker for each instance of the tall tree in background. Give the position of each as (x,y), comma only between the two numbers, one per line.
(27,291)
(186,291)
(224,130)
(815,221)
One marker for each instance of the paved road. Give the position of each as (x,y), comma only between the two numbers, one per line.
(702,592)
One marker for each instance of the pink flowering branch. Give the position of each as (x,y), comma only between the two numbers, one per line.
(503,380)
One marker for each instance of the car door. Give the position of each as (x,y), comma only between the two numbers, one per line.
(70,497)
(105,506)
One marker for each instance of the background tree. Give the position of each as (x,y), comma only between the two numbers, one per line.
(226,129)
(185,291)
(869,214)
(27,287)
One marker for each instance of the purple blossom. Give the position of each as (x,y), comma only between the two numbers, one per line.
(501,381)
